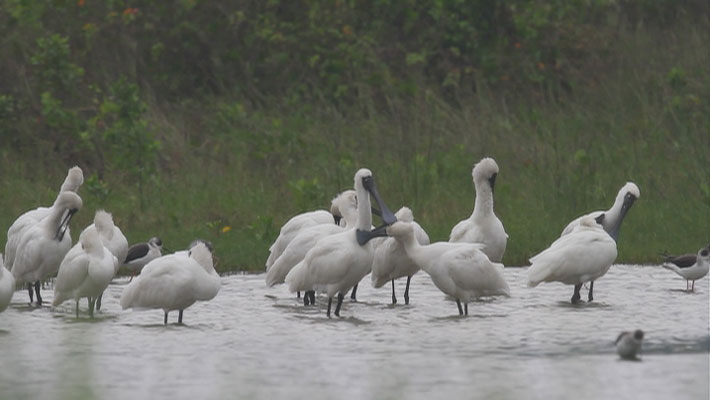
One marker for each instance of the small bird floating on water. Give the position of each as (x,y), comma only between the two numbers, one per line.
(628,344)
(690,266)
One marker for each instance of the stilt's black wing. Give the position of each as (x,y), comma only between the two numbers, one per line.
(683,261)
(136,251)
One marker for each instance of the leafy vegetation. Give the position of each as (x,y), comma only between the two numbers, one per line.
(220,119)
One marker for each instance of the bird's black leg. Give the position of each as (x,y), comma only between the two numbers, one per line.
(576,296)
(465,308)
(394,298)
(458,304)
(165,319)
(77,308)
(353,293)
(29,290)
(98,302)
(39,298)
(298,294)
(692,288)
(330,302)
(340,303)
(591,289)
(180,317)
(406,291)
(92,304)
(313,297)
(306,299)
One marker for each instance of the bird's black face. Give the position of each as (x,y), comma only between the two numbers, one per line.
(387,216)
(638,335)
(337,219)
(629,200)
(64,225)
(492,181)
(705,253)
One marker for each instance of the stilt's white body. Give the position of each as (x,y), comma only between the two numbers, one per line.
(295,225)
(581,256)
(306,238)
(86,271)
(72,182)
(613,216)
(337,262)
(391,260)
(174,282)
(483,226)
(39,253)
(460,270)
(7,286)
(694,271)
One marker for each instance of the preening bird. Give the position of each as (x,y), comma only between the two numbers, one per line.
(483,226)
(628,344)
(141,254)
(174,282)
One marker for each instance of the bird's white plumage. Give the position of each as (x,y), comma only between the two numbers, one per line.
(391,260)
(613,215)
(174,282)
(7,286)
(306,238)
(294,225)
(110,234)
(483,226)
(72,182)
(460,270)
(337,262)
(695,271)
(85,271)
(39,253)
(583,255)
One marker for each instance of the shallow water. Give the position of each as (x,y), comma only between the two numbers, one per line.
(254,342)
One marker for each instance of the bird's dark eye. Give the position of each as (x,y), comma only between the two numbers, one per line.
(704,253)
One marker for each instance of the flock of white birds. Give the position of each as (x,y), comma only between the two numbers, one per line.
(327,252)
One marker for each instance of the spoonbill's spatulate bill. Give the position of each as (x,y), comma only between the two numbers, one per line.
(460,270)
(7,286)
(583,255)
(337,262)
(85,271)
(174,282)
(74,179)
(690,266)
(483,226)
(628,344)
(391,261)
(44,244)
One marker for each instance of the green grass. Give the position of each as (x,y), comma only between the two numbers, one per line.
(643,117)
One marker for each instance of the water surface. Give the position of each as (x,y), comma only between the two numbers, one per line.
(254,342)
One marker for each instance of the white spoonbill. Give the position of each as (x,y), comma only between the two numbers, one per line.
(44,244)
(111,237)
(613,217)
(483,226)
(298,222)
(391,260)
(581,256)
(74,179)
(7,286)
(460,270)
(174,282)
(306,238)
(337,262)
(690,266)
(141,254)
(86,271)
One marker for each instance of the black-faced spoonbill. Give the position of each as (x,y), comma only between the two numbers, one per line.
(583,255)
(174,282)
(460,270)
(44,244)
(85,271)
(483,226)
(391,260)
(337,262)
